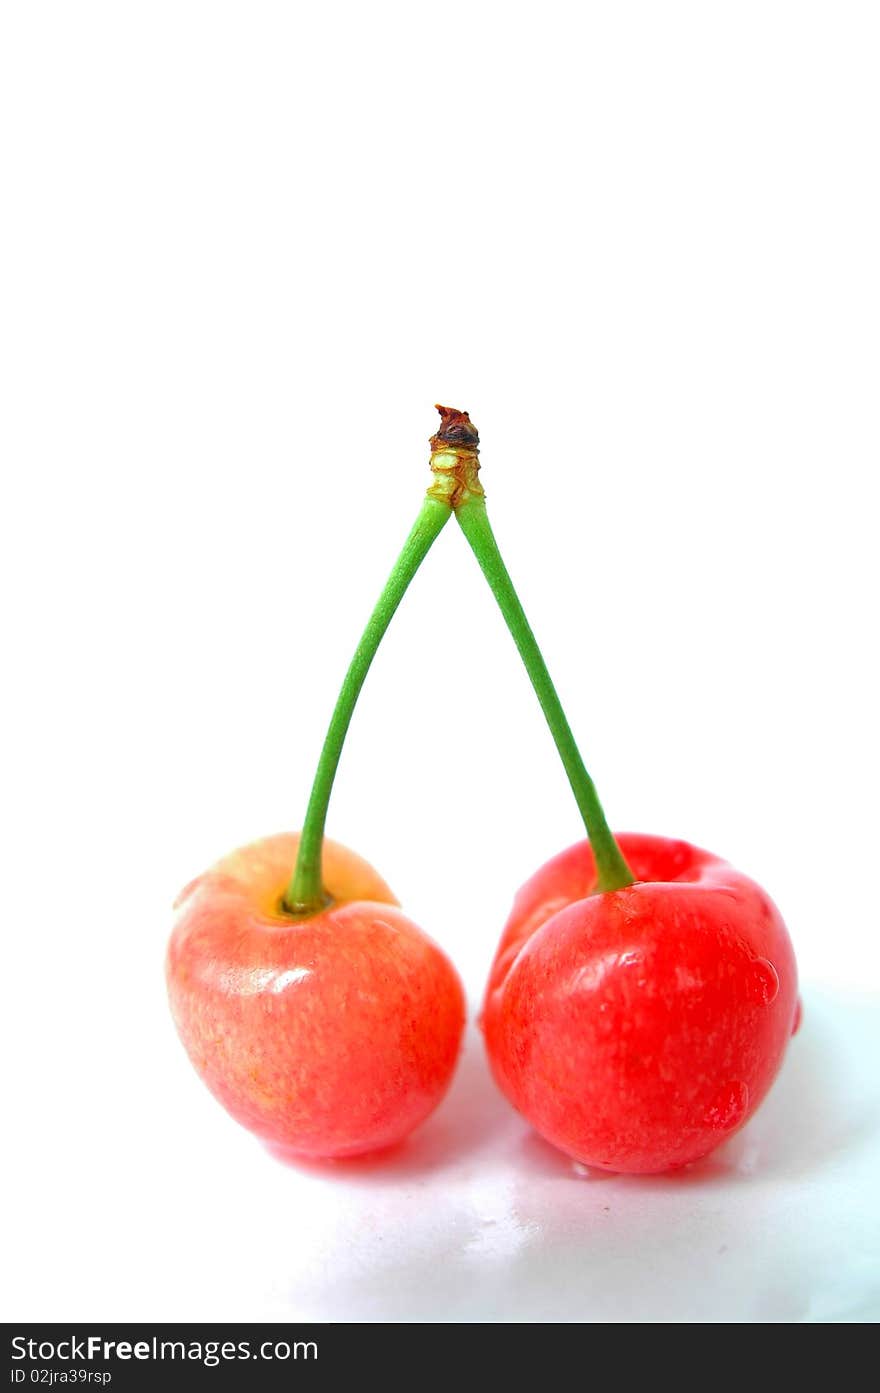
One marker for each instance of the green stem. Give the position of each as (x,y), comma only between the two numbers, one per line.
(305,894)
(613,872)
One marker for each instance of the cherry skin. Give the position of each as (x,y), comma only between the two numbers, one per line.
(332,1035)
(637,1029)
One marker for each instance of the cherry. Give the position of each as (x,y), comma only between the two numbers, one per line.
(640,1001)
(637,1028)
(332,1034)
(317,1013)
(644,991)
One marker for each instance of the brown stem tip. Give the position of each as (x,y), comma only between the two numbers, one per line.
(456,430)
(455,459)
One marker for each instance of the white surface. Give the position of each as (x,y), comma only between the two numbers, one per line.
(245,248)
(155,1206)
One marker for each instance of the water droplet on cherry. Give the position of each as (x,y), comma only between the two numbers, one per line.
(585,1172)
(765,981)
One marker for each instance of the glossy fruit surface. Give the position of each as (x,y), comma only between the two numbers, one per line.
(638,1028)
(332,1035)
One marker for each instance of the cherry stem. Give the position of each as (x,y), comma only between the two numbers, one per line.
(305,893)
(470,510)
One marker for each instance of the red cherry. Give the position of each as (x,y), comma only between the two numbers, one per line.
(638,1028)
(331,1035)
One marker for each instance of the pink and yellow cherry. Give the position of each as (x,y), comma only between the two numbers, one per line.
(638,1028)
(317,1013)
(331,1035)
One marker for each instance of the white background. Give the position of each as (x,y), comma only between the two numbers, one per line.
(245,248)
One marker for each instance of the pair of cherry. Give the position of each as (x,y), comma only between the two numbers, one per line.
(638,1007)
